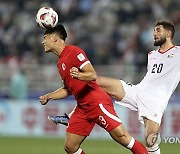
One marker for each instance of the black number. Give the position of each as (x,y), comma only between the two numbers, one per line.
(154,68)
(157,68)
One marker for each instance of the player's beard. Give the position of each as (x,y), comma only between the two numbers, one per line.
(160,42)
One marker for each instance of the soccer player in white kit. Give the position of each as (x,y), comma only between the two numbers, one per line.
(150,97)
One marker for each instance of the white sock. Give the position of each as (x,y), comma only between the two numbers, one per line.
(131,143)
(154,150)
(79,151)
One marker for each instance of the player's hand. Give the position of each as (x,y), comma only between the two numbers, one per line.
(74,72)
(43,99)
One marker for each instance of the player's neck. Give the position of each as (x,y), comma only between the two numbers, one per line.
(60,48)
(166,46)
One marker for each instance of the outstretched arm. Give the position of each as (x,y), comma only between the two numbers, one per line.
(57,94)
(111,86)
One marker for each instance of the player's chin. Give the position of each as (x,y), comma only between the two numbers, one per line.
(47,50)
(156,43)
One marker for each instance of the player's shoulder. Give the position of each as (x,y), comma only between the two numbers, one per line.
(177,47)
(152,52)
(74,48)
(177,51)
(76,52)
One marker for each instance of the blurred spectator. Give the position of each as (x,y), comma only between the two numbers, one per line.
(18,88)
(100,24)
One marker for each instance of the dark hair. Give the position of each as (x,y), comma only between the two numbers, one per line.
(59,30)
(167,25)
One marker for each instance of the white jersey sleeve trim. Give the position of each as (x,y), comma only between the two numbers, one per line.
(84,64)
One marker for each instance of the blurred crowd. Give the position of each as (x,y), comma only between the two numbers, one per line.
(110,31)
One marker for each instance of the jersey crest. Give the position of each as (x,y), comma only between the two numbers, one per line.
(63,66)
(170,55)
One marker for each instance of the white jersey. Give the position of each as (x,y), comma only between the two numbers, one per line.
(163,74)
(150,97)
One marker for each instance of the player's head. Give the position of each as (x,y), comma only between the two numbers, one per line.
(54,36)
(163,31)
(59,30)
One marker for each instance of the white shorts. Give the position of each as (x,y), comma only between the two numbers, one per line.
(138,100)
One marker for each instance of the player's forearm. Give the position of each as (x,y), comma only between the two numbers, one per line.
(87,73)
(58,94)
(87,76)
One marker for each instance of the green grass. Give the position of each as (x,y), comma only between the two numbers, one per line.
(16,145)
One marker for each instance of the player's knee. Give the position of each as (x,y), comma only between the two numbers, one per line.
(69,148)
(153,139)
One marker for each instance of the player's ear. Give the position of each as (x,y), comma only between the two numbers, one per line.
(55,38)
(168,34)
(61,40)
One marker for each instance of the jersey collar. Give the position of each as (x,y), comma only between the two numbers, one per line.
(166,50)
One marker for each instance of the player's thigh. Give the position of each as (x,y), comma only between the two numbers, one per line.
(120,135)
(112,86)
(78,123)
(73,141)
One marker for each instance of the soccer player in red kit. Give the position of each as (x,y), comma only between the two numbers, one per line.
(94,106)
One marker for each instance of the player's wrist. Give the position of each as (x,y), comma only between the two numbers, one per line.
(48,96)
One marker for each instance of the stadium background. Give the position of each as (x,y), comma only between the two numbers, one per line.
(116,35)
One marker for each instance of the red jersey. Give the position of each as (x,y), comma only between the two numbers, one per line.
(85,92)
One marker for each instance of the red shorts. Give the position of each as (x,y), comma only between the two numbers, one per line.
(82,121)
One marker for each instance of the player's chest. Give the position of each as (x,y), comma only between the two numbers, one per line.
(166,58)
(159,62)
(64,65)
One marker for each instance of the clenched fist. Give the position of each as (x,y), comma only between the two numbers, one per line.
(43,99)
(74,72)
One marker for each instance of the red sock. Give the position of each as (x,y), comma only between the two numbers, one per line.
(82,152)
(138,148)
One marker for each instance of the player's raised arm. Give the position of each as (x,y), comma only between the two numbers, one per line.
(87,73)
(57,94)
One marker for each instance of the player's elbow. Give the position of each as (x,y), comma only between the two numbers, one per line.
(99,80)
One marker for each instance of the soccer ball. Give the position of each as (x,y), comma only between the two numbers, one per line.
(47,17)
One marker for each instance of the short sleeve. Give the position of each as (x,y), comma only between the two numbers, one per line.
(80,58)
